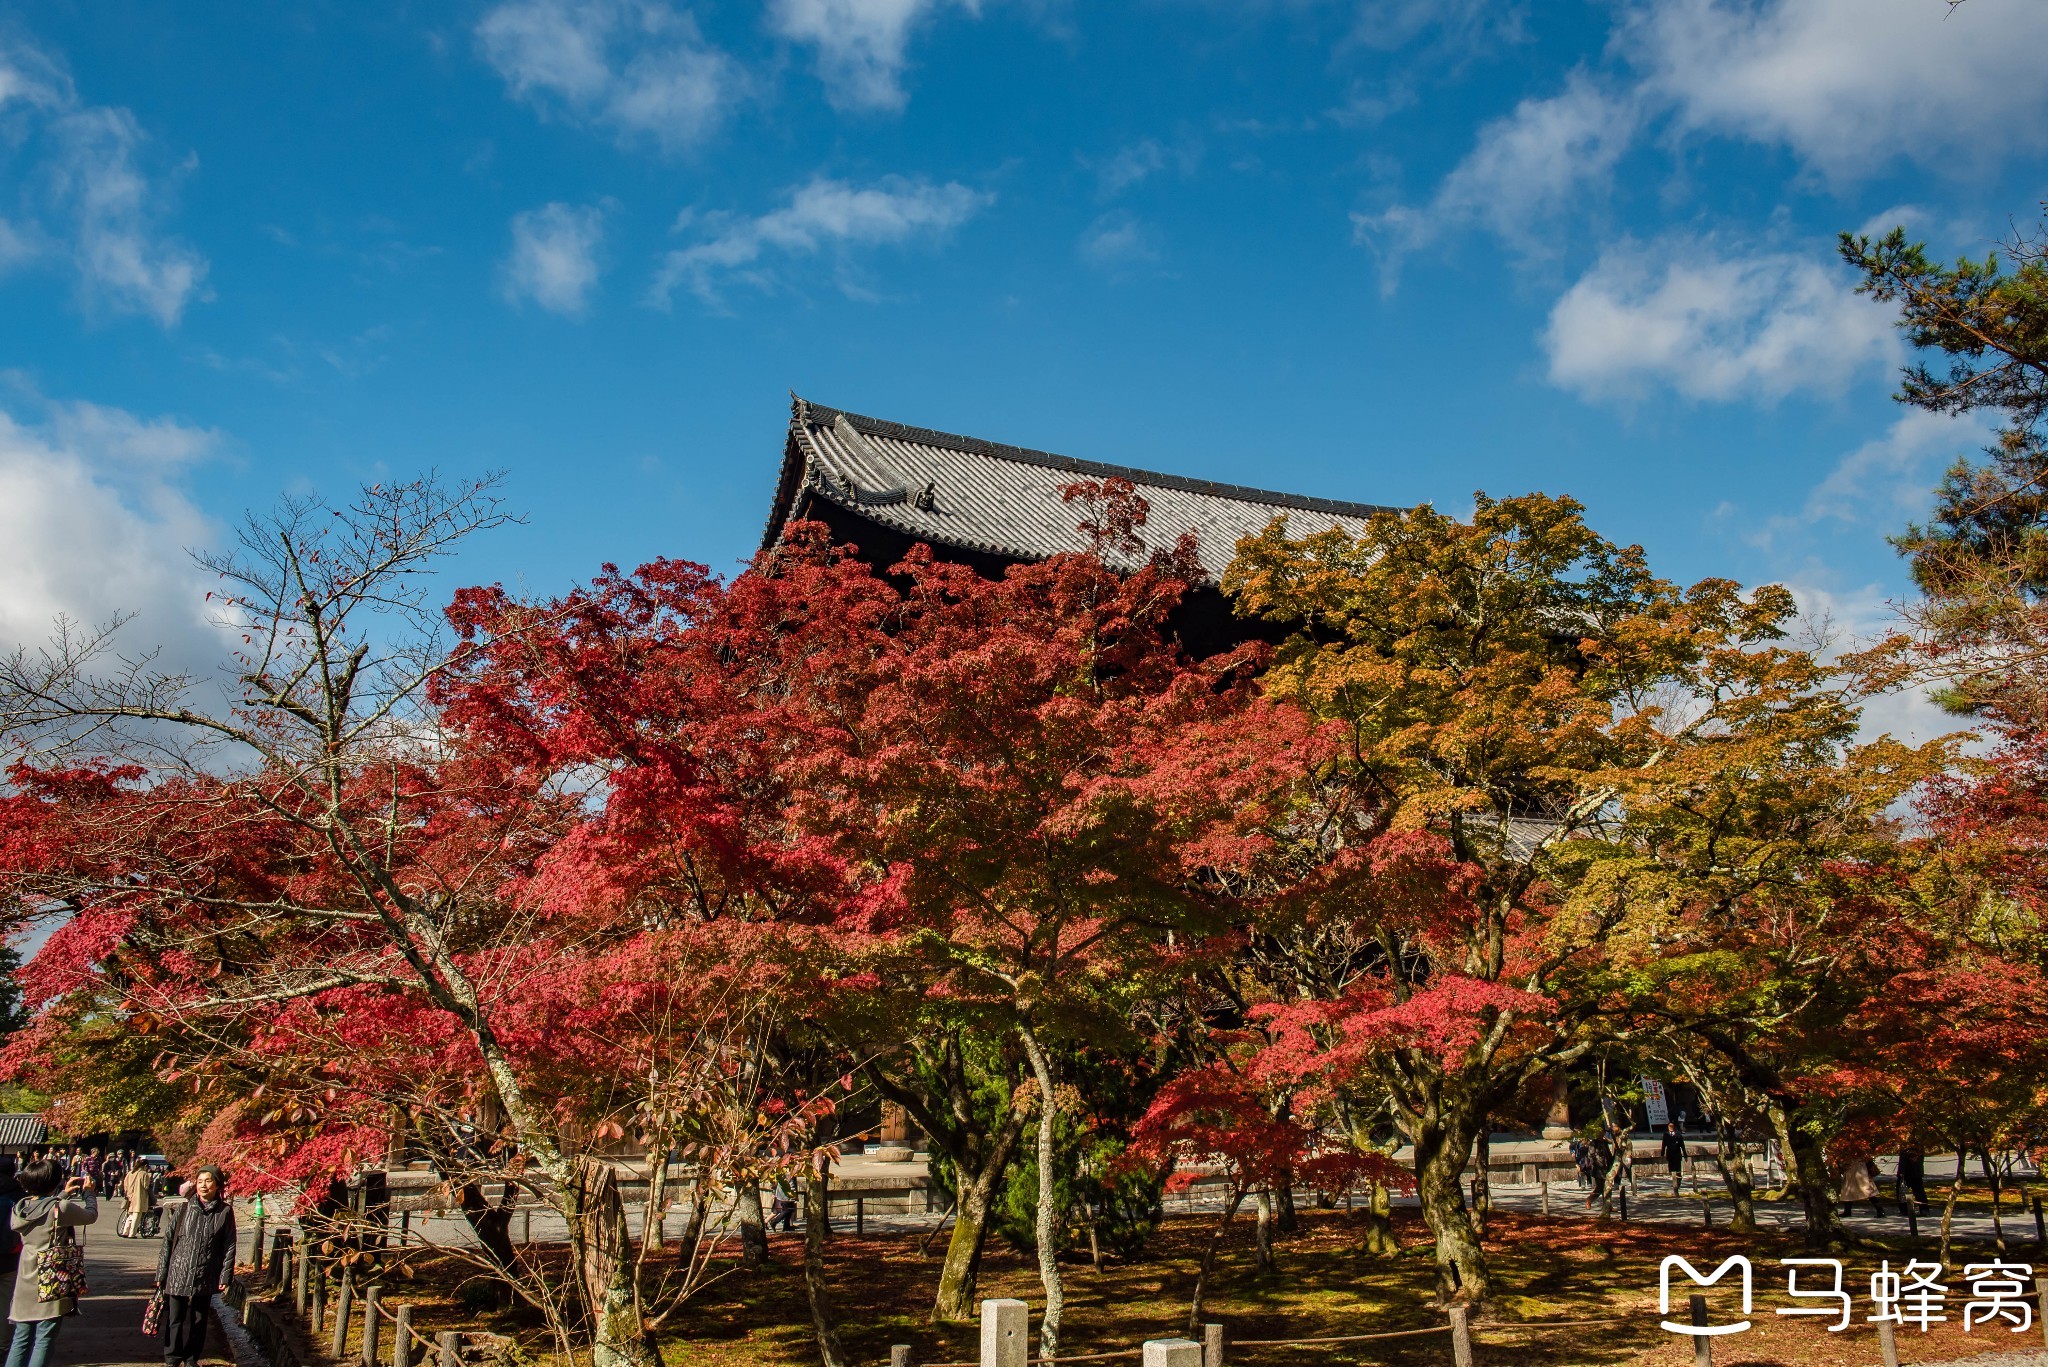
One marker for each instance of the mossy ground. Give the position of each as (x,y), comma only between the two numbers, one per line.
(1325,1285)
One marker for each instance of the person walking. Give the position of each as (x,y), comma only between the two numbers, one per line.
(1858,1184)
(1912,1177)
(138,1190)
(1674,1149)
(196,1261)
(50,1209)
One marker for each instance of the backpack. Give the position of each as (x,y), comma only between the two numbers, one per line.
(60,1267)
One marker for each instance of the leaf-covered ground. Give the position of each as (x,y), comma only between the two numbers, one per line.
(1545,1270)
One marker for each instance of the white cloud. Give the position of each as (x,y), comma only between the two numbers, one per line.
(1889,477)
(16,249)
(860,43)
(95,522)
(1140,161)
(554,257)
(1843,620)
(820,216)
(1850,84)
(1460,26)
(122,263)
(1525,170)
(1679,312)
(1118,241)
(89,200)
(638,67)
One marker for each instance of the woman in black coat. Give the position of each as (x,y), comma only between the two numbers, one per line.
(1674,1149)
(198,1258)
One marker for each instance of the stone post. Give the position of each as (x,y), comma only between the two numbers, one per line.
(1005,1333)
(1172,1353)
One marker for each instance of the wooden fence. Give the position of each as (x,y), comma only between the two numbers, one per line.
(295,1295)
(1006,1338)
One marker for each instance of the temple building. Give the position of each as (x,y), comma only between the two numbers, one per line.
(884,487)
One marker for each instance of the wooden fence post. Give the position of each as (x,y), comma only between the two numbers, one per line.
(1546,1196)
(344,1302)
(1887,1343)
(1172,1353)
(1702,1345)
(1005,1333)
(401,1338)
(1212,1345)
(370,1326)
(317,1314)
(450,1344)
(899,1355)
(277,1268)
(302,1261)
(1461,1336)
(2040,1225)
(526,1225)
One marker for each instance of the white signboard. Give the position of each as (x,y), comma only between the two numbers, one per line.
(1655,1102)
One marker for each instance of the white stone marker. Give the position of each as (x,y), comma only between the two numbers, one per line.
(1172,1353)
(1005,1333)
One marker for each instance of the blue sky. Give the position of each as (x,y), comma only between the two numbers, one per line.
(1375,249)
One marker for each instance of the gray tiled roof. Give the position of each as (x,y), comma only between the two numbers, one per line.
(22,1131)
(1005,500)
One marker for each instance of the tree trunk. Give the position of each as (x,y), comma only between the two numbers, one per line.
(1379,1222)
(654,1216)
(610,1290)
(1995,1172)
(1048,1223)
(1482,1184)
(700,1213)
(960,1275)
(1734,1165)
(1783,1129)
(492,1226)
(1948,1207)
(753,1225)
(1816,1194)
(620,1340)
(1262,1202)
(1209,1262)
(981,1152)
(817,1202)
(1287,1218)
(1443,1145)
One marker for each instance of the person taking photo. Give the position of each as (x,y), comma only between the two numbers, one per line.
(50,1209)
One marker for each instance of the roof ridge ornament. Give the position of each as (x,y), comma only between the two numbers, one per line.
(889,486)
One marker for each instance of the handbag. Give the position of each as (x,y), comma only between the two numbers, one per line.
(153,1315)
(130,1226)
(60,1267)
